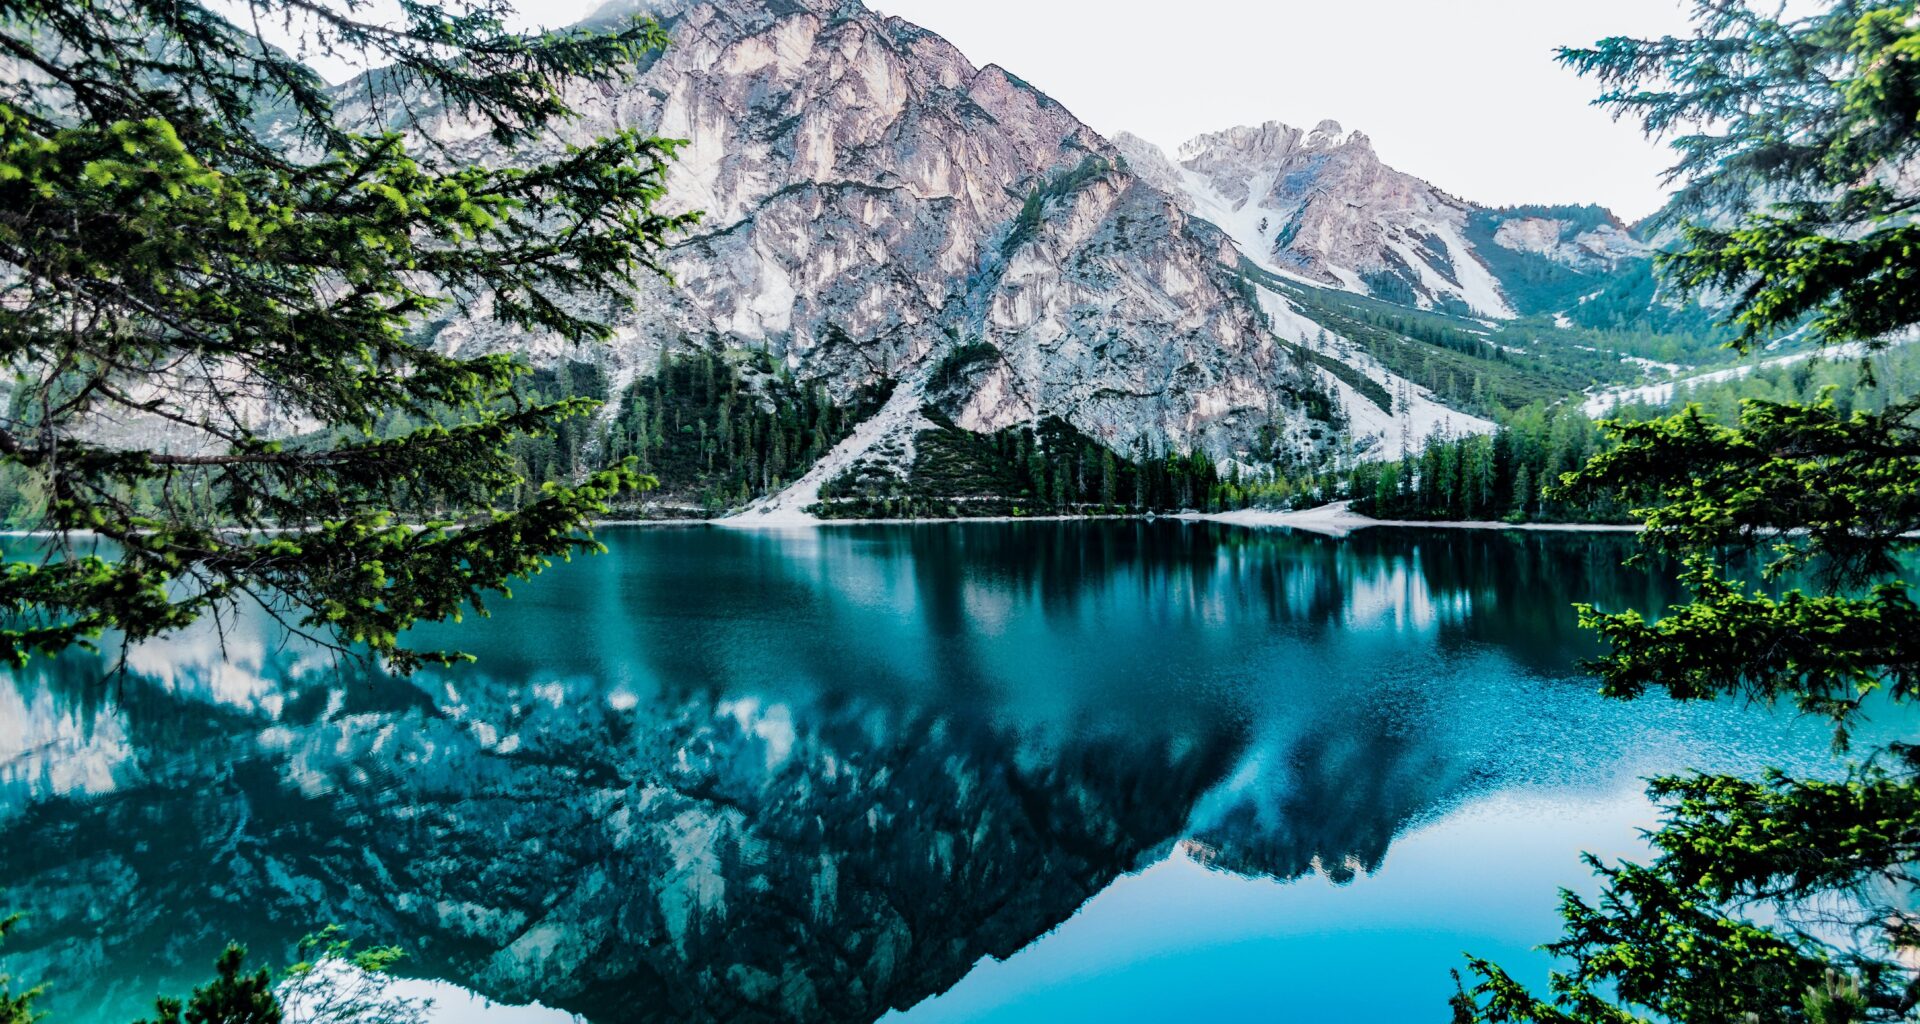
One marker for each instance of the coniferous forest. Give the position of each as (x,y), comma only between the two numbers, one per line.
(282,285)
(720,430)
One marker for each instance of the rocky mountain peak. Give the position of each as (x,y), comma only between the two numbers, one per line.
(1267,140)
(664,10)
(1326,135)
(1321,206)
(873,200)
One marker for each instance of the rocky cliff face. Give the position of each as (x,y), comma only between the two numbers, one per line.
(1321,206)
(1565,241)
(863,186)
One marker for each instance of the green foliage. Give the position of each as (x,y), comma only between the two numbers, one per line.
(1368,388)
(167,263)
(333,983)
(1389,287)
(1055,187)
(1871,383)
(1489,367)
(565,453)
(1040,470)
(1537,284)
(1807,117)
(720,430)
(1630,302)
(1050,469)
(1509,475)
(1479,477)
(232,997)
(1457,359)
(16,1007)
(1848,483)
(1796,121)
(714,430)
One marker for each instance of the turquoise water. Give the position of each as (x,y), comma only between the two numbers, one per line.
(1009,772)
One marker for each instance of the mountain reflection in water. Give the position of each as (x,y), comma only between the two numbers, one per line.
(804,776)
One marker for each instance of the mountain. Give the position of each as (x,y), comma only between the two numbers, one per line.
(1320,206)
(879,211)
(874,201)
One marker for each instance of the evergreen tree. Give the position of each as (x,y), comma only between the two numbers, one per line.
(166,262)
(1805,129)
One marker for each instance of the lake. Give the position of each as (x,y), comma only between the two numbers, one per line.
(946,772)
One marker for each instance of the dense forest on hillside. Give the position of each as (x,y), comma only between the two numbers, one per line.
(1056,470)
(1533,282)
(1480,368)
(721,430)
(1489,367)
(715,429)
(1506,475)
(1043,470)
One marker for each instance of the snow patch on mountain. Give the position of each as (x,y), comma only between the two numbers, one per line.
(1378,434)
(1475,283)
(1609,400)
(1320,207)
(897,421)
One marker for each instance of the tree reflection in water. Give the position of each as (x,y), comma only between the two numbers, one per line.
(729,776)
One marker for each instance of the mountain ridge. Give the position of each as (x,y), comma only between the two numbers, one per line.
(863,184)
(1319,205)
(879,209)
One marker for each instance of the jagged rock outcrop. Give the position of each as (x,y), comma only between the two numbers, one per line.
(1601,246)
(1321,205)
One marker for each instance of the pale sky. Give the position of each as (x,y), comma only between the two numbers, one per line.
(1464,93)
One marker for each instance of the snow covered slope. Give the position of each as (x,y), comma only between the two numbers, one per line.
(1376,433)
(1321,207)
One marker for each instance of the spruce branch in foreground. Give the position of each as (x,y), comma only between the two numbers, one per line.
(215,295)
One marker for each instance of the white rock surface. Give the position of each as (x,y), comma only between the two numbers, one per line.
(1598,248)
(898,420)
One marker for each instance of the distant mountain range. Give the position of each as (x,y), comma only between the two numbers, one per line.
(877,207)
(1319,205)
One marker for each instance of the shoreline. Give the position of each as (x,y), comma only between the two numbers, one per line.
(1336,520)
(1332,520)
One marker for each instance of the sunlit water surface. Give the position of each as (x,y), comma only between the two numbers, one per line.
(1007,772)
